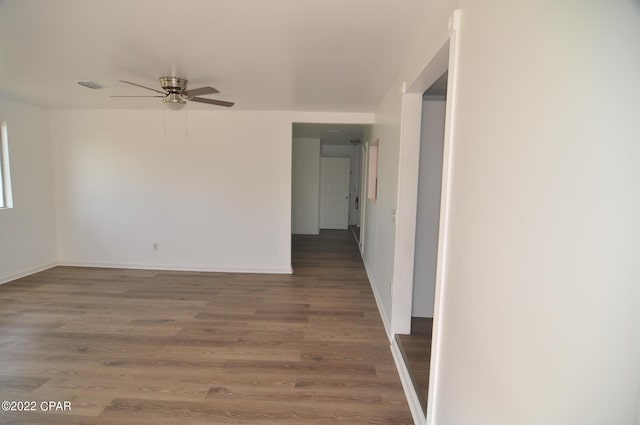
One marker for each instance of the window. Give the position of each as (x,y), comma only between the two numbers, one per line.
(6,198)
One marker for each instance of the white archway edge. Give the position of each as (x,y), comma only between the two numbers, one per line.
(445,58)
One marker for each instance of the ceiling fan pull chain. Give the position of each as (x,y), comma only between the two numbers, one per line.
(186,127)
(164,114)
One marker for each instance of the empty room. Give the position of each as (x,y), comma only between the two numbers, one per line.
(240,212)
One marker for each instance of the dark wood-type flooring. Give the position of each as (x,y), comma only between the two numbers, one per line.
(140,347)
(416,350)
(356,231)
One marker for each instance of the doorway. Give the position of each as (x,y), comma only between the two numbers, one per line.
(312,143)
(334,192)
(416,346)
(442,60)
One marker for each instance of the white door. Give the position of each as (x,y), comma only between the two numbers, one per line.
(334,193)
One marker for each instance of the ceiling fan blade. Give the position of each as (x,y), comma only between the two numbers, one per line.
(137,96)
(144,87)
(200,91)
(212,101)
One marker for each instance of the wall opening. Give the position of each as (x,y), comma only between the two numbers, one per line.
(441,67)
(416,345)
(311,143)
(6,194)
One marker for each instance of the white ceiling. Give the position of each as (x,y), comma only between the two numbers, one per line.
(313,55)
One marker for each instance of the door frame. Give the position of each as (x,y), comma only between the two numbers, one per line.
(444,58)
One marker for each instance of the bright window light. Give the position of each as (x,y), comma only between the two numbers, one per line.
(6,197)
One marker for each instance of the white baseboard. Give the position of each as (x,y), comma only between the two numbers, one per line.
(212,269)
(417,413)
(24,273)
(381,310)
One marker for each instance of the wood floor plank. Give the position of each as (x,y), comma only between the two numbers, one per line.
(233,352)
(148,388)
(145,347)
(416,350)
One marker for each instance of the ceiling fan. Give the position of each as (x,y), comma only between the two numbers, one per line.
(174,92)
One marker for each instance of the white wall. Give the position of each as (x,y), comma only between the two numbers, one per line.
(218,199)
(428,211)
(542,301)
(380,227)
(379,230)
(305,186)
(27,232)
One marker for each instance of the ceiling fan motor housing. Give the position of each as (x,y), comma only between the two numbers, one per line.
(175,86)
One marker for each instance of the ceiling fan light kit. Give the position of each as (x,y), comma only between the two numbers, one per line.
(174,98)
(175,93)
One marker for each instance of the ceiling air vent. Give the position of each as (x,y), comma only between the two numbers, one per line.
(90,85)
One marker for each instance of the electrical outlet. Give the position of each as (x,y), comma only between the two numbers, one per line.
(156,246)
